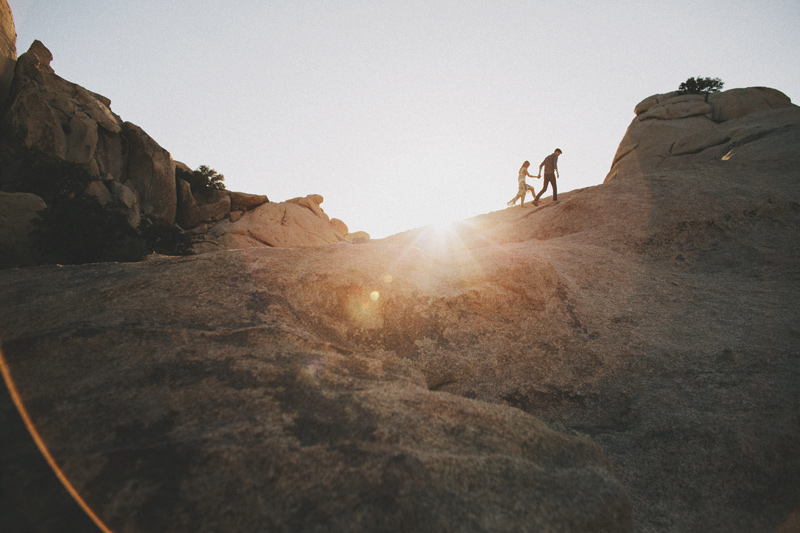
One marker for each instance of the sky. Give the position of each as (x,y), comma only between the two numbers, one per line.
(404,113)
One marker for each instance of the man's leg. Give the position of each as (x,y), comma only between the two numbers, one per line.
(555,190)
(544,188)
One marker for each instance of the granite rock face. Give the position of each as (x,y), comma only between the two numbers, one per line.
(64,121)
(403,384)
(56,120)
(255,413)
(295,222)
(671,129)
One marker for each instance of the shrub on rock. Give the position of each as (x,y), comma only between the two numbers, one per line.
(202,180)
(701,86)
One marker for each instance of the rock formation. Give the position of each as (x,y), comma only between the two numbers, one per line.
(130,171)
(8,51)
(401,385)
(671,129)
(64,121)
(296,222)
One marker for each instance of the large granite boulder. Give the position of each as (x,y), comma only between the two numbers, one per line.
(214,205)
(8,52)
(152,171)
(295,222)
(245,202)
(63,120)
(672,129)
(738,103)
(187,214)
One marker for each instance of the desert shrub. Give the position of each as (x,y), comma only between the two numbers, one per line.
(204,179)
(701,86)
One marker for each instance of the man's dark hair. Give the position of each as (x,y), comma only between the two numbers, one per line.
(559,150)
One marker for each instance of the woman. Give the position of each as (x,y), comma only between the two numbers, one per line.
(523,187)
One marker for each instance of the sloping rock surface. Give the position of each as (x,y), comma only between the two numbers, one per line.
(217,393)
(400,385)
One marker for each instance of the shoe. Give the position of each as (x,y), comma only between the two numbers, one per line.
(509,204)
(536,202)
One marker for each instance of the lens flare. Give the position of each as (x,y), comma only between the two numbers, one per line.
(374,295)
(37,439)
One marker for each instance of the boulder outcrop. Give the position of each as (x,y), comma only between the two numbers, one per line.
(129,170)
(187,213)
(64,121)
(296,222)
(671,129)
(151,170)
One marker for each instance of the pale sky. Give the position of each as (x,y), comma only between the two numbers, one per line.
(405,113)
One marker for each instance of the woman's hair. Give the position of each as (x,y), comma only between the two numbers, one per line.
(526,164)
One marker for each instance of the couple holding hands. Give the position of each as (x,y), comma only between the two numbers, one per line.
(550,165)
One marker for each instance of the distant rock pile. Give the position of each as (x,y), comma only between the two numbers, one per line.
(299,221)
(128,171)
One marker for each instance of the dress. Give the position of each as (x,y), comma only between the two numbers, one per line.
(523,187)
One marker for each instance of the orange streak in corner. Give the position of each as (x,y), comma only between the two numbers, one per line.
(12,389)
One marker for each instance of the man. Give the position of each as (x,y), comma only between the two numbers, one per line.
(550,165)
(523,187)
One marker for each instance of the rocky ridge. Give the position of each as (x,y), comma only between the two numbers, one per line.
(55,119)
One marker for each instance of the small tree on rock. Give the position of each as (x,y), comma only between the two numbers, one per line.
(204,179)
(701,86)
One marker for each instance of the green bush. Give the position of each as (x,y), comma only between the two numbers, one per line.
(202,180)
(701,86)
